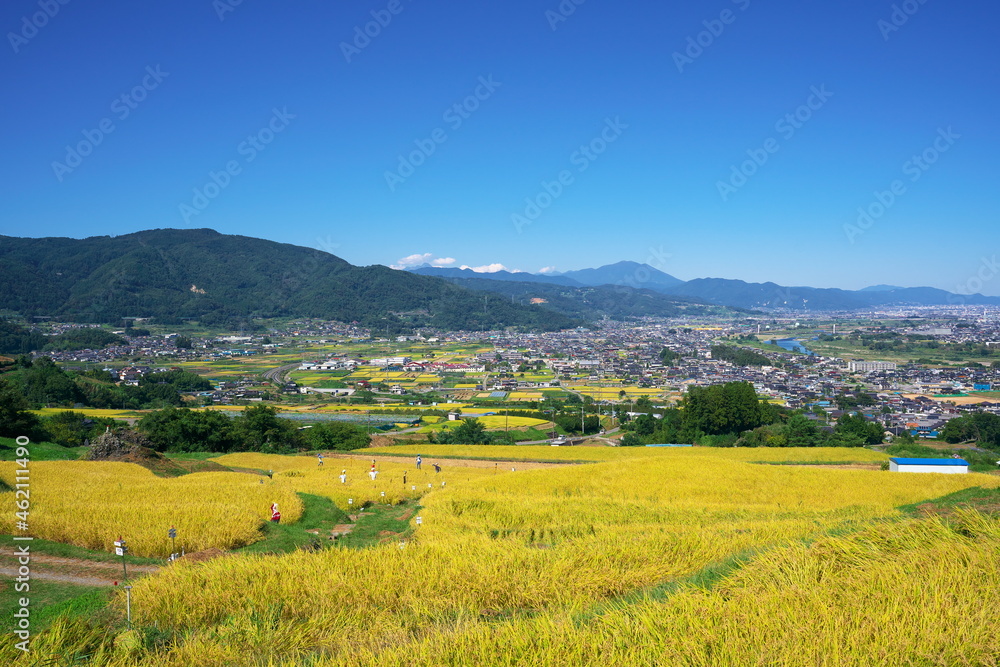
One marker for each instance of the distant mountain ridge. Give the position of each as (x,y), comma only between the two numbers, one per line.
(770,295)
(630,274)
(451,272)
(730,292)
(601,301)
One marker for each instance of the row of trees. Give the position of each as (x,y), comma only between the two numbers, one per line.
(256,429)
(470,432)
(980,427)
(731,414)
(68,428)
(740,356)
(42,383)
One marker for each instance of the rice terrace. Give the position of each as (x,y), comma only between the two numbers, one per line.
(631,556)
(500,334)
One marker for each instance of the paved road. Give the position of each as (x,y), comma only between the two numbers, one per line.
(279,375)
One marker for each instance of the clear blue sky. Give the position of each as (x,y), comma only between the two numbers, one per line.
(208,83)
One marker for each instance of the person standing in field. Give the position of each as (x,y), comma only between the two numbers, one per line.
(419,461)
(343,477)
(275,514)
(404,478)
(320,457)
(437,468)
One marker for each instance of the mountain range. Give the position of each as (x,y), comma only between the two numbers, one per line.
(721,291)
(174,275)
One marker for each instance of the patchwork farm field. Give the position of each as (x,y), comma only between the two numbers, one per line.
(644,557)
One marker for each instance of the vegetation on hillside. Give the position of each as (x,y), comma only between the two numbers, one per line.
(173,275)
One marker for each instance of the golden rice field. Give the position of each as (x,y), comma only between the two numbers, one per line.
(652,557)
(612,393)
(91,412)
(493,422)
(92,503)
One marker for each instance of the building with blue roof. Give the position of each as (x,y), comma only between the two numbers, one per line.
(947,466)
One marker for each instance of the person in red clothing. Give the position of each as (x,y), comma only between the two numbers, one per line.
(275,514)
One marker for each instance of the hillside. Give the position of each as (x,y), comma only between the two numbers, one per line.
(172,275)
(615,302)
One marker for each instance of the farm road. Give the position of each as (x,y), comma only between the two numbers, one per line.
(70,570)
(428,460)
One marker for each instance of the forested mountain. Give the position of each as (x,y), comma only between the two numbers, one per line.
(630,274)
(173,274)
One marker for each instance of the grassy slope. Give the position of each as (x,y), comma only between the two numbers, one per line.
(40,451)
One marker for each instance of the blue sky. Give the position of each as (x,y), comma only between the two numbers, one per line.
(584,134)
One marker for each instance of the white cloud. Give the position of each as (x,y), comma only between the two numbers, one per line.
(489,268)
(418,259)
(547,269)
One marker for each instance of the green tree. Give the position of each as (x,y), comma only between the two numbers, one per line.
(631,440)
(729,408)
(856,426)
(259,429)
(336,435)
(184,430)
(15,420)
(72,429)
(471,432)
(45,383)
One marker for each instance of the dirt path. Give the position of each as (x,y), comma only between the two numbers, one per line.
(10,573)
(841,466)
(45,559)
(71,570)
(463,463)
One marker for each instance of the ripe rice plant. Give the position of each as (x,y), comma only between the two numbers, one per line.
(580,564)
(92,503)
(658,557)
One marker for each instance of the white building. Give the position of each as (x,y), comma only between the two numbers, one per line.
(869,366)
(952,466)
